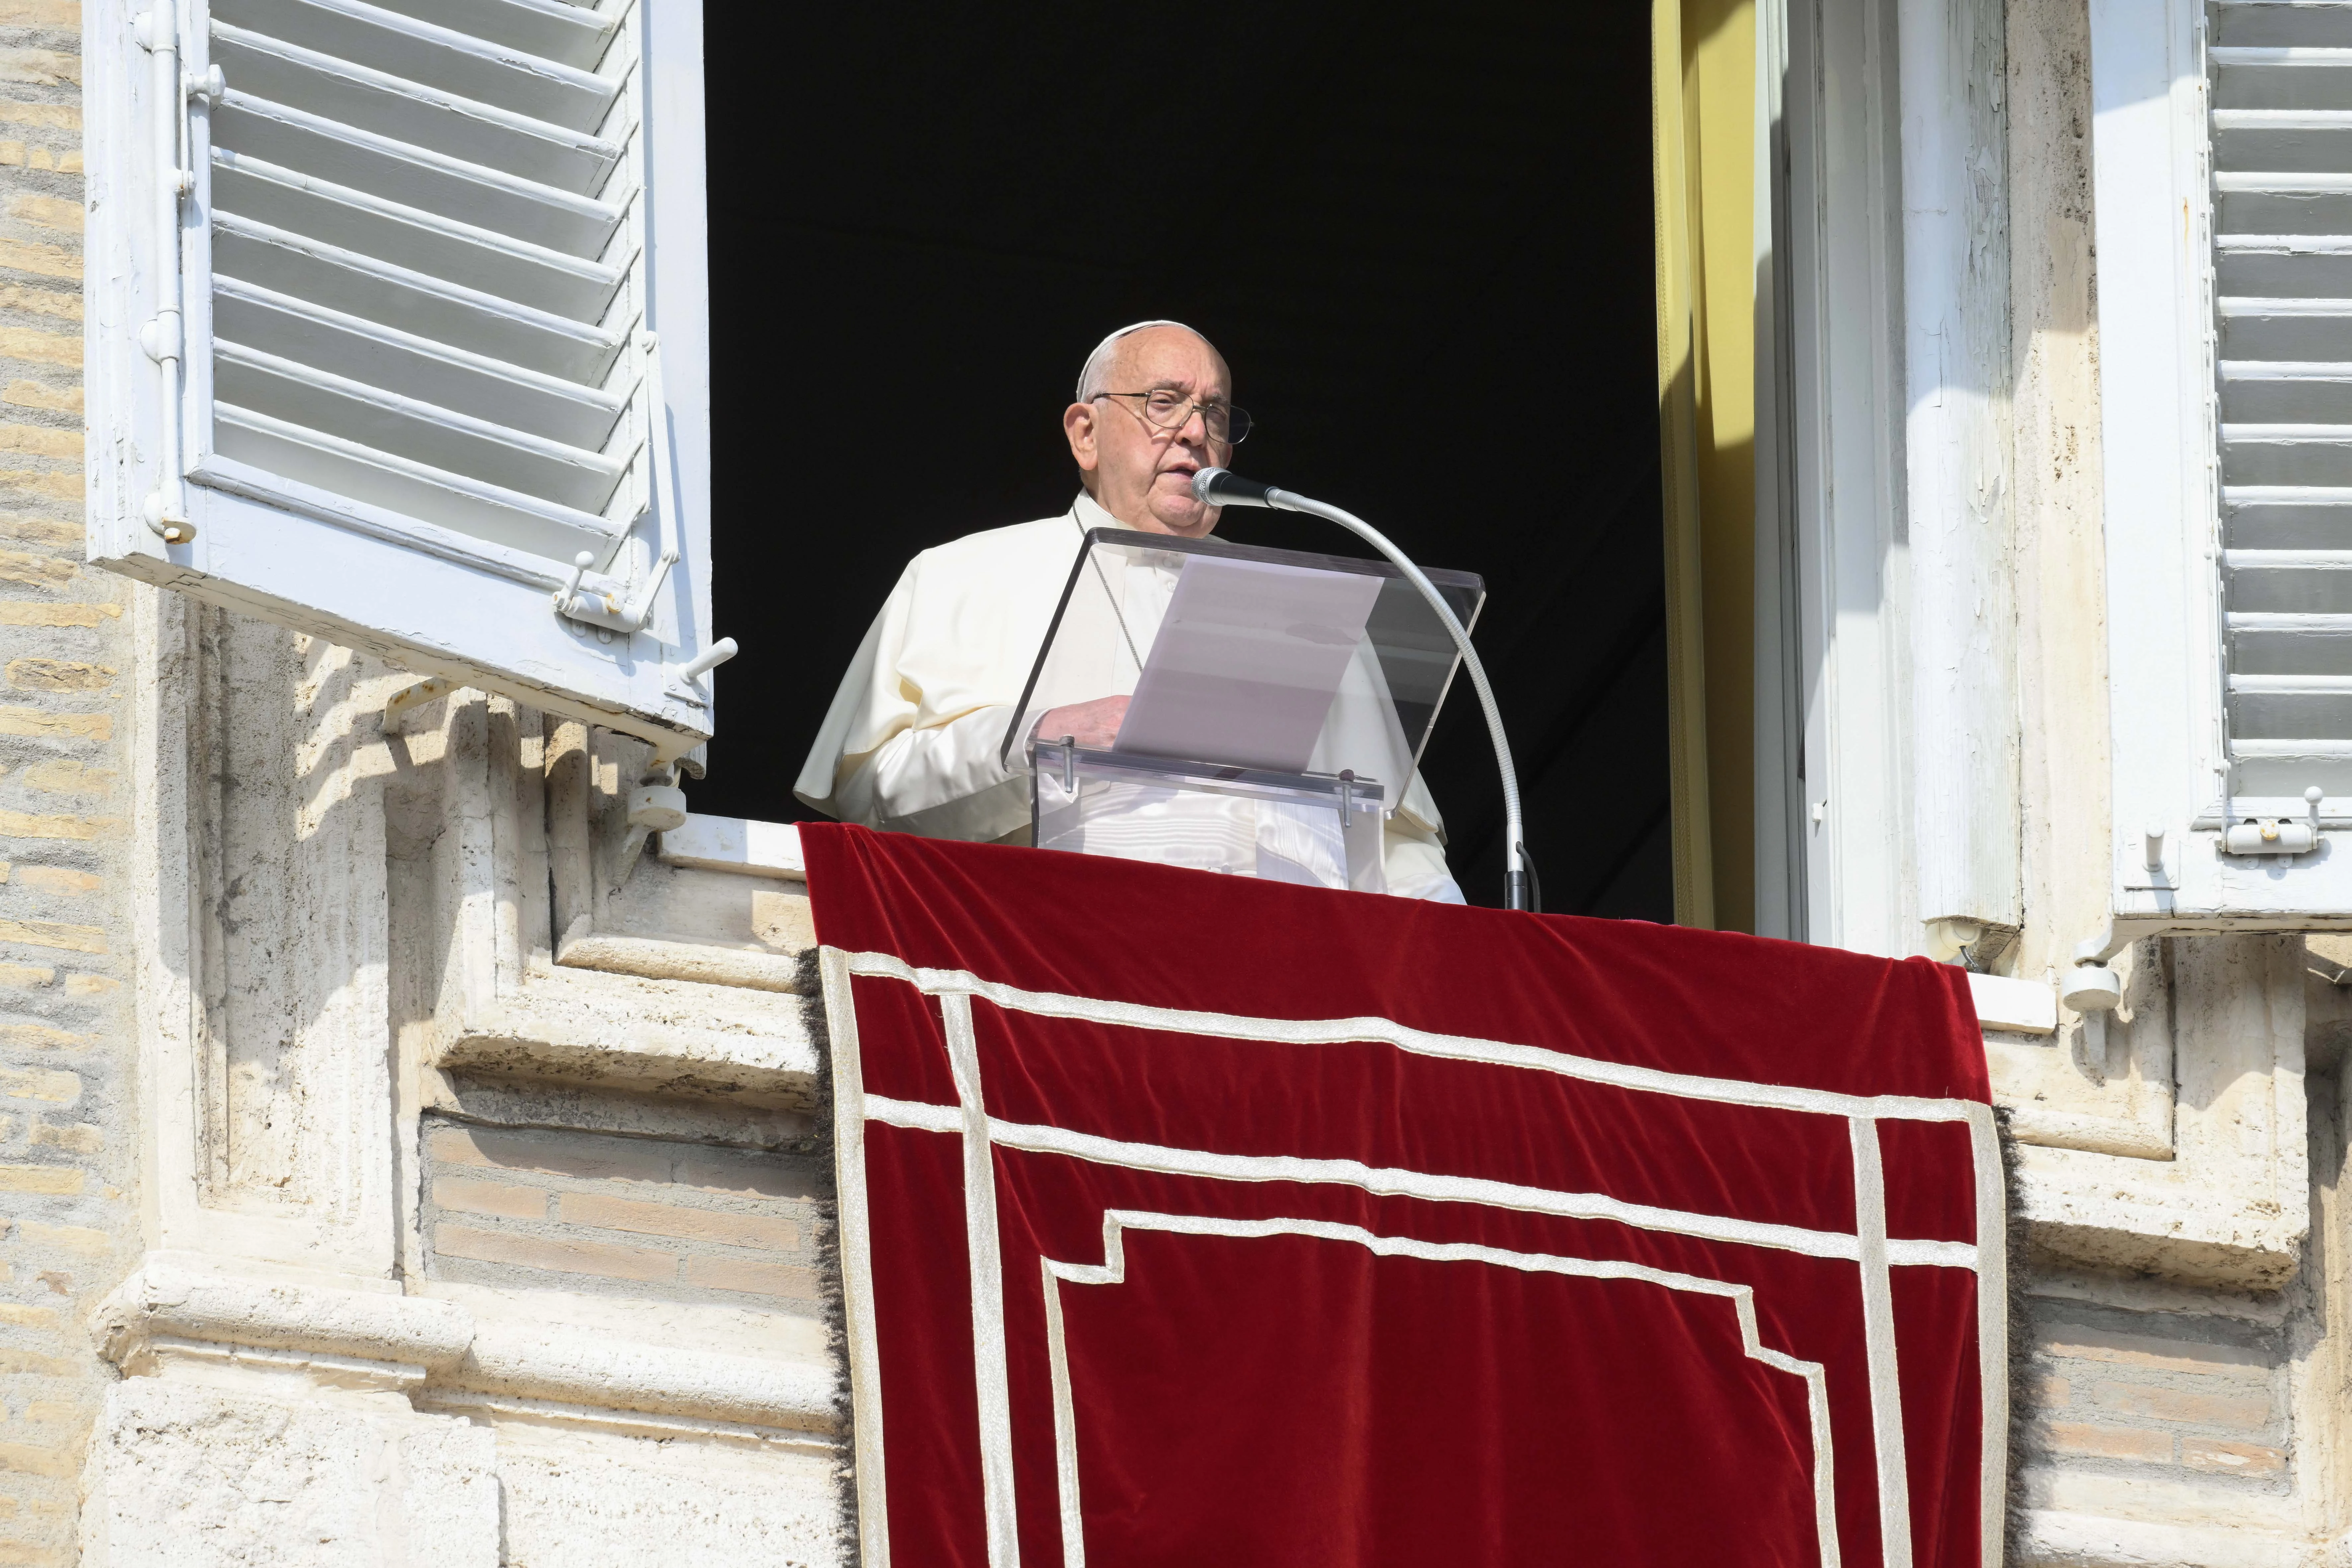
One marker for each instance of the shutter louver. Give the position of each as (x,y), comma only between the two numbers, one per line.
(2280,85)
(425,279)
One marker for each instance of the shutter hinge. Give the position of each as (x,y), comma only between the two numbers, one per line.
(608,613)
(161,337)
(158,26)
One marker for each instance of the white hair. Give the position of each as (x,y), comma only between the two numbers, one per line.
(1094,380)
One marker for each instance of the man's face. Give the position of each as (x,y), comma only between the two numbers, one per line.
(1137,473)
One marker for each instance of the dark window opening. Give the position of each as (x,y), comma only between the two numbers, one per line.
(1424,249)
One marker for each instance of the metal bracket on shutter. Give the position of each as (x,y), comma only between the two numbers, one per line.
(611,613)
(685,680)
(631,609)
(608,612)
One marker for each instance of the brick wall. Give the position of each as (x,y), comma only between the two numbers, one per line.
(637,1216)
(2149,1394)
(67,1211)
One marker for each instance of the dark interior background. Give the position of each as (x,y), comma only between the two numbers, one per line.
(1423,244)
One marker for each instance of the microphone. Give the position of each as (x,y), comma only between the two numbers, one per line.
(1223,486)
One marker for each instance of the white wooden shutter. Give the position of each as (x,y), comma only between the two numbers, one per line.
(445,332)
(2224,159)
(2282,94)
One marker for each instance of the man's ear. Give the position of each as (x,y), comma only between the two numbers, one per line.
(1078,424)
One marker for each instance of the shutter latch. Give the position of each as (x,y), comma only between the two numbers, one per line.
(607,612)
(2276,834)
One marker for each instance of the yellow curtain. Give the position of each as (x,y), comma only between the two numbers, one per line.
(1702,130)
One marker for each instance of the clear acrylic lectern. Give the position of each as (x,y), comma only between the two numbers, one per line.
(1278,704)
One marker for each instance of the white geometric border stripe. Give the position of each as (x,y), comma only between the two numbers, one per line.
(1868,1246)
(1113,1271)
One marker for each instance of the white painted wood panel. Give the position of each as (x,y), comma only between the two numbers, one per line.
(2021,1007)
(1956,366)
(1845,474)
(737,845)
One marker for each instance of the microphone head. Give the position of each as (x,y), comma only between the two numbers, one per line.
(1223,486)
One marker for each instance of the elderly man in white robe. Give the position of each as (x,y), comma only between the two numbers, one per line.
(914,741)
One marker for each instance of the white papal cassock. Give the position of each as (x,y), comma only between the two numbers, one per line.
(911,741)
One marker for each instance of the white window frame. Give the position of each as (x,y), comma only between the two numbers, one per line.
(1834,820)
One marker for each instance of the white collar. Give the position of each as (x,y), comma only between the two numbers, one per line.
(1089,513)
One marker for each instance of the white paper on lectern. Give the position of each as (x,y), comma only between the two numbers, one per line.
(1247,661)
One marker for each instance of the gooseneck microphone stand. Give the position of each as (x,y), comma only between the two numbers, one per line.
(1223,486)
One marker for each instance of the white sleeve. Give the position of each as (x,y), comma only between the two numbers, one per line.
(941,781)
(1414,862)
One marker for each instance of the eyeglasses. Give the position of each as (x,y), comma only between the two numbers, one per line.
(1166,410)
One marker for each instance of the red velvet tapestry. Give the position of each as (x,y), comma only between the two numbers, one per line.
(1197,1220)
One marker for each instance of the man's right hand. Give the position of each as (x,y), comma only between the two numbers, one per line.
(1093,725)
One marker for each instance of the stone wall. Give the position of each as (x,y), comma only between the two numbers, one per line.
(69,1208)
(559,1209)
(447,1212)
(2171,1420)
(2146,1393)
(2181,1380)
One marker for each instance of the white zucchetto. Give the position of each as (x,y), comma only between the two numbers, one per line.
(1098,366)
